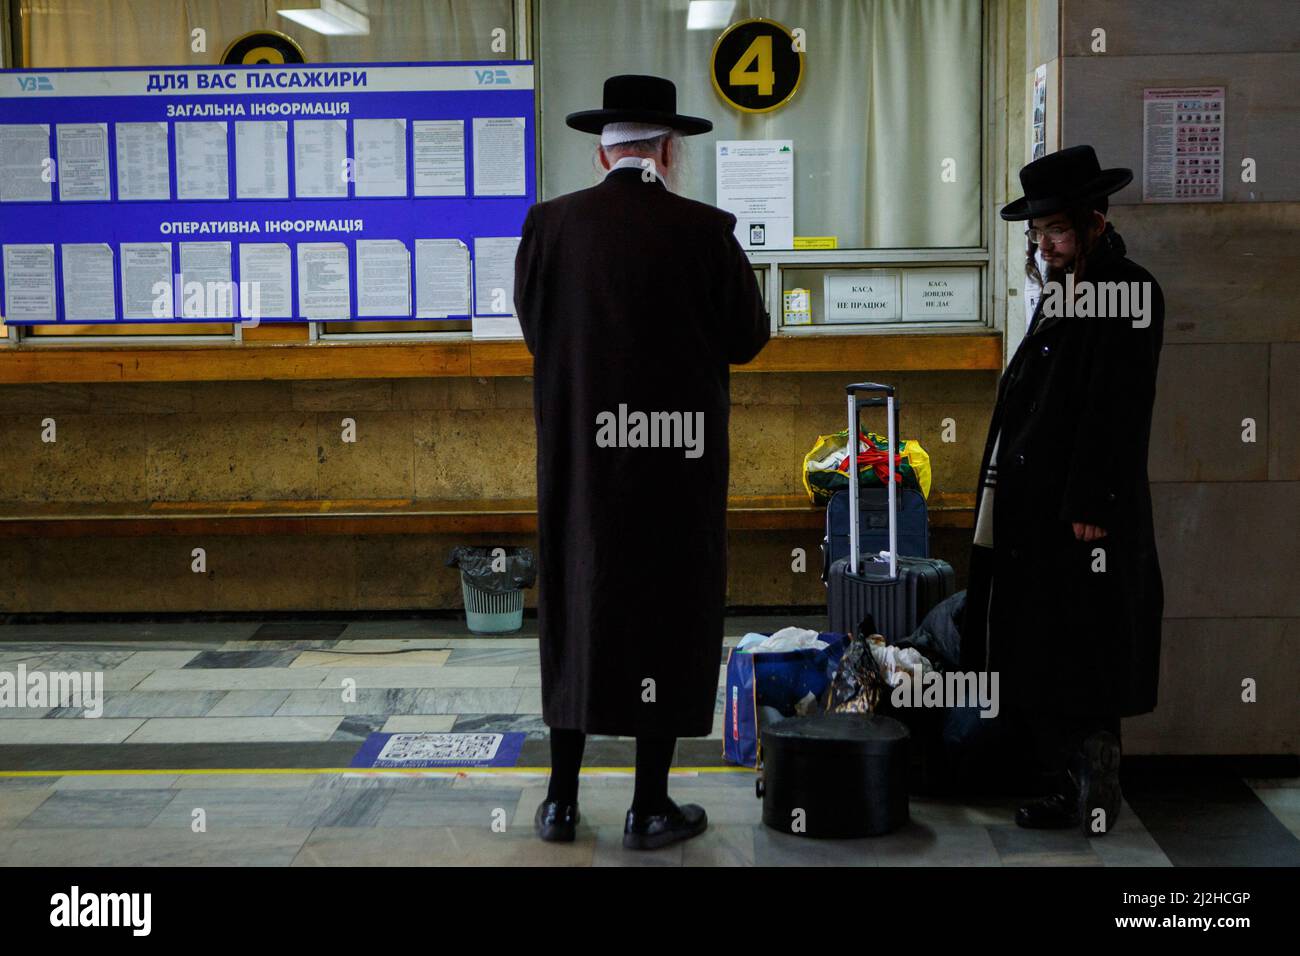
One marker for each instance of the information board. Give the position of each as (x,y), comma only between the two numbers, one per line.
(269,192)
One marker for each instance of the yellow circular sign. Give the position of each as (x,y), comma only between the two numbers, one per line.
(263,46)
(757,65)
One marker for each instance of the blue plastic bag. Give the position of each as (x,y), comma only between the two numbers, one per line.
(778,680)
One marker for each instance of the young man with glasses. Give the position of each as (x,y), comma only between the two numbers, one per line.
(1065,595)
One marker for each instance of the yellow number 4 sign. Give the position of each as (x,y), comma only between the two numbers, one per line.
(757,65)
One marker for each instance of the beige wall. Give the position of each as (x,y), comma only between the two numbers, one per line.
(1227,512)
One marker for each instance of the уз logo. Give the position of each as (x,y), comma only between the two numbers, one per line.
(35,84)
(497,77)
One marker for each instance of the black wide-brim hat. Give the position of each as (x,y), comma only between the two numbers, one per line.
(631,98)
(1062,179)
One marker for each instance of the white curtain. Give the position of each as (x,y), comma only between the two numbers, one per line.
(157,32)
(891,92)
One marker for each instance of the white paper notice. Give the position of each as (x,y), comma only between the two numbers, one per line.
(262,160)
(24,160)
(438,155)
(207,289)
(941,295)
(319,150)
(146,268)
(29,282)
(83,161)
(142,161)
(494,288)
(323,284)
(202,161)
(380,146)
(264,275)
(499,155)
(1182,144)
(441,278)
(755,181)
(88,282)
(867,296)
(383,278)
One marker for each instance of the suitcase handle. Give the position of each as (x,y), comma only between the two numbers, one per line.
(853,402)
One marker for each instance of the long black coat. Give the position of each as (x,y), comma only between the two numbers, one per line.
(1074,408)
(631,295)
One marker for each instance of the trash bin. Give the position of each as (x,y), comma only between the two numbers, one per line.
(492,582)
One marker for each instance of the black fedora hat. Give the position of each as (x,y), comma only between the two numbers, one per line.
(1061,179)
(631,98)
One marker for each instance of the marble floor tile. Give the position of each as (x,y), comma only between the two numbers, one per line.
(162,730)
(164,703)
(146,846)
(233,678)
(77,730)
(530,701)
(245,780)
(226,808)
(379,645)
(219,660)
(720,845)
(358,727)
(528,677)
(16,805)
(609,850)
(917,844)
(99,809)
(968,811)
(25,713)
(783,849)
(439,846)
(399,700)
(1283,803)
(275,646)
(530,724)
(20,780)
(386,659)
(385,780)
(248,703)
(469,700)
(1017,846)
(417,676)
(512,656)
(450,807)
(414,723)
(350,807)
(116,781)
(157,660)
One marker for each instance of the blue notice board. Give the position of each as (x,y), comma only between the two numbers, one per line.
(420,174)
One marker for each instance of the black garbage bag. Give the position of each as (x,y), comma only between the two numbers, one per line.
(488,571)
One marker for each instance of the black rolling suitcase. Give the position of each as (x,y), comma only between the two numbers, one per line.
(897,592)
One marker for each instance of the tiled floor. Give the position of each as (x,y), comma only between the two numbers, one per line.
(220,743)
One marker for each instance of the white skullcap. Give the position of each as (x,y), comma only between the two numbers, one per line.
(611,134)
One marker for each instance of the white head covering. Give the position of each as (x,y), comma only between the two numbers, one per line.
(611,134)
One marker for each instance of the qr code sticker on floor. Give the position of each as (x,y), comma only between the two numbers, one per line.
(426,748)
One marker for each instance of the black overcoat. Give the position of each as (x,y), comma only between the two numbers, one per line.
(1074,409)
(630,295)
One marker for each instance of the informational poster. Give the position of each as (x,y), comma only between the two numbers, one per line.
(494,288)
(235,193)
(755,183)
(1038,141)
(1182,144)
(941,295)
(867,296)
(499,156)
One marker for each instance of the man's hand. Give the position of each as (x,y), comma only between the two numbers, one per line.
(1088,532)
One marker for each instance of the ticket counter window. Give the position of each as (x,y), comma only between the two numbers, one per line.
(118,33)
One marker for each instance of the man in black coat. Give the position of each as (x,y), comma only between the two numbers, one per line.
(633,301)
(1065,595)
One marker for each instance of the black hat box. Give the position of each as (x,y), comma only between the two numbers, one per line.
(846,772)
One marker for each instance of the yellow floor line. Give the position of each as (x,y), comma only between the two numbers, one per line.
(235,771)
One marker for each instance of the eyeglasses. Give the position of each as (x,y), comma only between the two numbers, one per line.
(1054,233)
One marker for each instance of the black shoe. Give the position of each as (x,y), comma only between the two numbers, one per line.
(556,822)
(1058,812)
(650,831)
(1097,776)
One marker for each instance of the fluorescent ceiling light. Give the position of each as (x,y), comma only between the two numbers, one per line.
(332,18)
(709,14)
